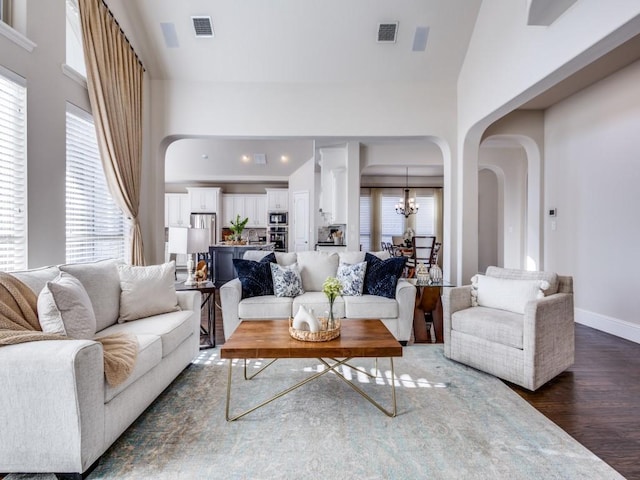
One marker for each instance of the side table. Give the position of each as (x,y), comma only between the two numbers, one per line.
(208,291)
(428,302)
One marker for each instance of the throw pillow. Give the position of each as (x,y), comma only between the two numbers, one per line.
(255,277)
(102,283)
(315,267)
(351,276)
(147,291)
(64,308)
(382,276)
(506,294)
(287,281)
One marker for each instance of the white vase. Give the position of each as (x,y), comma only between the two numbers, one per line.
(435,272)
(306,320)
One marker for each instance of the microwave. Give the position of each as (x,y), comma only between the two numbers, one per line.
(279,218)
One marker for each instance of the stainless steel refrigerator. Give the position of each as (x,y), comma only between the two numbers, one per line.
(206,220)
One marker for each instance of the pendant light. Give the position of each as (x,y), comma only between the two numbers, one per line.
(407,206)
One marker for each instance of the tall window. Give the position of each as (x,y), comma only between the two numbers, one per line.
(365,222)
(425,218)
(5,11)
(392,223)
(95,225)
(13,177)
(74,50)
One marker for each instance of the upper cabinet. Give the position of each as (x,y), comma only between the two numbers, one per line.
(177,210)
(204,199)
(333,183)
(339,195)
(277,199)
(253,207)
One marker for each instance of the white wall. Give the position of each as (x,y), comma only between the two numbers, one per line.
(592,174)
(509,164)
(509,63)
(488,219)
(304,180)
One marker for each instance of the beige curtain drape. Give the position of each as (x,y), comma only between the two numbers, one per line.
(114,77)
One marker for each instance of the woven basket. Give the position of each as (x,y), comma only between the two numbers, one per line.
(321,336)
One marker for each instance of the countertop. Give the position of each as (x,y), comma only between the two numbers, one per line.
(330,244)
(248,245)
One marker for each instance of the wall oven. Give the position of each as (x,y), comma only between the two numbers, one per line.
(279,236)
(278,218)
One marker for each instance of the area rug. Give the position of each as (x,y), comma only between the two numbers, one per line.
(453,423)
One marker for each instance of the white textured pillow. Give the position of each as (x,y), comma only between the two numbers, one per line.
(147,291)
(506,294)
(315,267)
(64,308)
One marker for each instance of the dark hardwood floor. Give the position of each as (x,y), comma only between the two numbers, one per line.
(597,401)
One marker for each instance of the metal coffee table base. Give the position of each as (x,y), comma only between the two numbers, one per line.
(330,368)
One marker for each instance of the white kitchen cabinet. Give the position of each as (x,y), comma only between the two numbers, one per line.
(333,183)
(204,199)
(253,207)
(232,205)
(256,210)
(277,199)
(177,210)
(339,195)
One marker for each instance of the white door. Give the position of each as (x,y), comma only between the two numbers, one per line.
(301,221)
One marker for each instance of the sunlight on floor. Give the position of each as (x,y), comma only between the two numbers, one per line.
(358,373)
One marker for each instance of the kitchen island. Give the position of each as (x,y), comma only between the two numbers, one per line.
(222,256)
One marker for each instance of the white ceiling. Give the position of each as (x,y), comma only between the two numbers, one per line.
(301,41)
(295,41)
(292,41)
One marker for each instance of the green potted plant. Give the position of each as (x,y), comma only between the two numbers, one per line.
(237,227)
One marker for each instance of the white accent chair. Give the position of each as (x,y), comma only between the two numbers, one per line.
(528,348)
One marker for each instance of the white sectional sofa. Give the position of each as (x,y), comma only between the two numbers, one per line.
(396,313)
(57,413)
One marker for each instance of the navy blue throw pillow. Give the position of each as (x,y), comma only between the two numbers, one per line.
(255,277)
(382,276)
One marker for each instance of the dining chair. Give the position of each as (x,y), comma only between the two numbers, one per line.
(422,246)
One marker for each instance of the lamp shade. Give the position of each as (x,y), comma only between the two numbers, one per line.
(188,240)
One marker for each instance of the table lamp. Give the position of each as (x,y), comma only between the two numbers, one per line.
(188,241)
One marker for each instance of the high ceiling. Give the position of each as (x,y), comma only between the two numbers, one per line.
(295,41)
(312,41)
(292,41)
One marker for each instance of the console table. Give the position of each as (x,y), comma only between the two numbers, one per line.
(428,302)
(208,291)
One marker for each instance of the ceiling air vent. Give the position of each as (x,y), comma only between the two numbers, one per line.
(387,32)
(202,26)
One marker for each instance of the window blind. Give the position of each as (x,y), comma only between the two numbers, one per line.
(425,218)
(95,225)
(365,222)
(392,222)
(13,177)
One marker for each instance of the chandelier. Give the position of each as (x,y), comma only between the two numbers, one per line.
(407,206)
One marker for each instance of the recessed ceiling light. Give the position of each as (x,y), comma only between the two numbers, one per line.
(284,159)
(245,158)
(205,156)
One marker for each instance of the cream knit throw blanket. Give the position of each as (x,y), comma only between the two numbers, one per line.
(19,323)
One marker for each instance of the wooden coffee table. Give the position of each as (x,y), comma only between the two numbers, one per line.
(270,339)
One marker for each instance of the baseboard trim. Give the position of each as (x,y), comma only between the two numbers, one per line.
(614,326)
